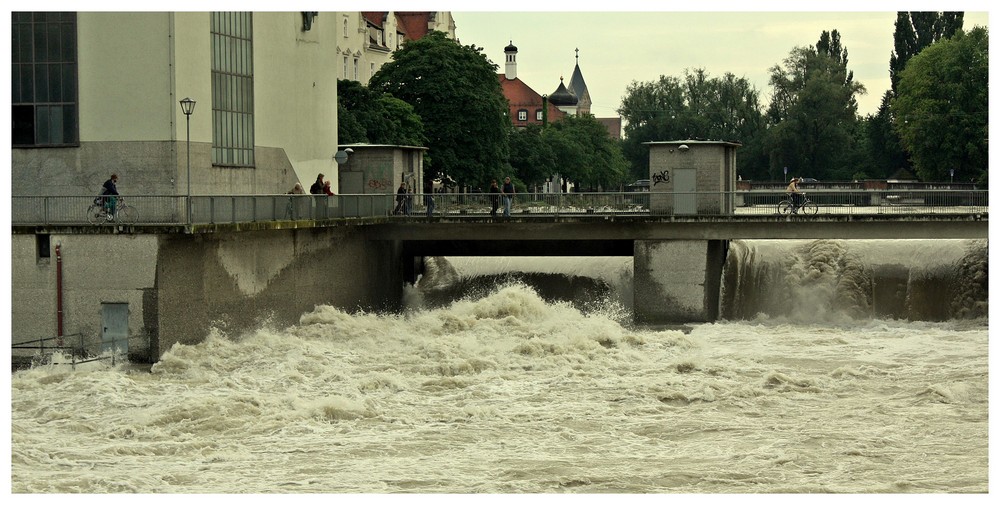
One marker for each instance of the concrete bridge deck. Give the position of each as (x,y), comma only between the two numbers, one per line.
(590,227)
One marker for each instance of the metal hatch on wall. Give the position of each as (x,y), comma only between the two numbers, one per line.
(114,324)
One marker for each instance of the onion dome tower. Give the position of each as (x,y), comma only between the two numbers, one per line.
(564,99)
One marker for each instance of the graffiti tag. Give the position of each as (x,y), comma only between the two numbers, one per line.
(663,176)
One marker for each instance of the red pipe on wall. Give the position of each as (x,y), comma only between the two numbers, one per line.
(59,292)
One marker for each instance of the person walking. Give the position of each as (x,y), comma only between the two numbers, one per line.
(508,196)
(494,197)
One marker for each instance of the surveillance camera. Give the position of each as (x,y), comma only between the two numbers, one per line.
(683,147)
(348,150)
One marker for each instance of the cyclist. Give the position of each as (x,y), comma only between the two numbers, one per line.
(794,194)
(109,192)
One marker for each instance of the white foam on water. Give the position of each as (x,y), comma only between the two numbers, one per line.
(510,394)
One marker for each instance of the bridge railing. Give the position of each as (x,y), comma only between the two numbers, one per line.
(218,209)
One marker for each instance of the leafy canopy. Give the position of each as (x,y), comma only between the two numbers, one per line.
(942,107)
(368,116)
(695,107)
(455,91)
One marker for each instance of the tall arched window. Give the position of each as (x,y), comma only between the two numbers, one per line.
(232,89)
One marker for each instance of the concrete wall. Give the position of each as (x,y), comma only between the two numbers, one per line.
(96,269)
(245,279)
(179,286)
(295,88)
(677,281)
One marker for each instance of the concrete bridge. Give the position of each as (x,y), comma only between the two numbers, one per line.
(156,284)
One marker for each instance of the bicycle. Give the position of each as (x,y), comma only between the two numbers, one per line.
(98,214)
(806,207)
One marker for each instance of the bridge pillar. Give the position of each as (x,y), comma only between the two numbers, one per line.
(677,281)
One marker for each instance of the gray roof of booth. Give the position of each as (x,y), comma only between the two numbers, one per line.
(671,142)
(355,146)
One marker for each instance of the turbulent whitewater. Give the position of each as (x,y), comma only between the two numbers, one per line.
(502,386)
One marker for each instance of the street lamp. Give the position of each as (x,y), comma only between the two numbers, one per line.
(187,107)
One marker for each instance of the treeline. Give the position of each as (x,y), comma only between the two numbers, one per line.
(932,122)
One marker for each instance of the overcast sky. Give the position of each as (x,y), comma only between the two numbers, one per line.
(617,48)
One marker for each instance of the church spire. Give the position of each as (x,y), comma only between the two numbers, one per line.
(579,88)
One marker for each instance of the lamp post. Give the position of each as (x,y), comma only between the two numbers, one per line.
(187,107)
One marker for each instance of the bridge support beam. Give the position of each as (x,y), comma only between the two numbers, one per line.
(677,281)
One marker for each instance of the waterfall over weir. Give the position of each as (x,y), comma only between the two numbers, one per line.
(800,280)
(830,280)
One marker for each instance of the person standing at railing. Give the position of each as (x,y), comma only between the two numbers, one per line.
(291,210)
(326,189)
(109,193)
(317,187)
(400,199)
(494,197)
(508,196)
(429,197)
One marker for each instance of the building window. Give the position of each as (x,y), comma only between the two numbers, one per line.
(538,115)
(345,30)
(42,245)
(373,69)
(522,115)
(44,109)
(345,67)
(232,89)
(355,69)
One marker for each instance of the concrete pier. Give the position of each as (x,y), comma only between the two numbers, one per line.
(677,280)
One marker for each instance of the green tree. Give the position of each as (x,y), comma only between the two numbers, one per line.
(369,116)
(813,112)
(913,32)
(942,107)
(697,107)
(587,154)
(531,157)
(650,111)
(456,92)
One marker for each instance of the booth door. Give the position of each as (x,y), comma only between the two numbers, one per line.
(685,199)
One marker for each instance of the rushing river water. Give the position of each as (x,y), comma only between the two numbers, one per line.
(532,380)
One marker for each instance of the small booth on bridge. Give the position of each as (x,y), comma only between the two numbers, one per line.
(377,169)
(678,280)
(689,177)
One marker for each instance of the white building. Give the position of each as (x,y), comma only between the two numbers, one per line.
(96,93)
(368,38)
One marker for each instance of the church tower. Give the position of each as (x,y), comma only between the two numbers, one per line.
(510,69)
(579,88)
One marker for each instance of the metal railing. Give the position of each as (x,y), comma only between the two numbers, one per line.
(220,209)
(40,351)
